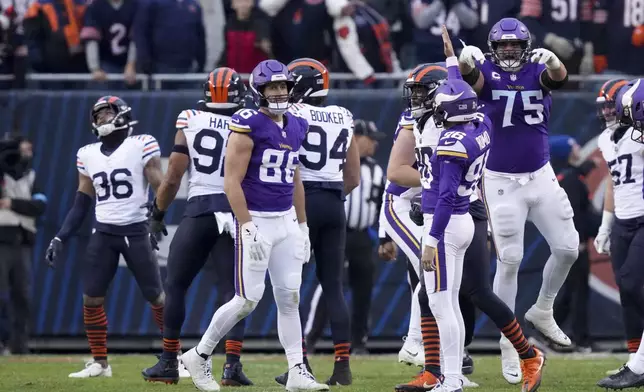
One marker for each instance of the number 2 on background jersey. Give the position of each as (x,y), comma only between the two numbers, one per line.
(528,105)
(338,149)
(209,144)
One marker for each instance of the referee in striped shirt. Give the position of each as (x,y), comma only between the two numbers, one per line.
(362,207)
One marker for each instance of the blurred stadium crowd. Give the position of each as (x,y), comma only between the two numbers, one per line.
(134,37)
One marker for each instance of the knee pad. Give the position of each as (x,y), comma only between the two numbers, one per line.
(244,306)
(287,301)
(568,251)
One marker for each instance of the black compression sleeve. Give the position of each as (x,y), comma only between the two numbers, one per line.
(181,149)
(547,82)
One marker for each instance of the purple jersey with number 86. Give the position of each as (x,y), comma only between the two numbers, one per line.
(268,184)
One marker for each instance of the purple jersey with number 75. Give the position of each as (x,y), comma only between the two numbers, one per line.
(268,184)
(519,107)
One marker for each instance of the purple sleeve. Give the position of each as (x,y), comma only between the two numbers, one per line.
(452,68)
(451,173)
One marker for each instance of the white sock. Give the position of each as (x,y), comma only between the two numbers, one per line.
(289,328)
(461,325)
(444,311)
(414,332)
(223,321)
(555,273)
(636,362)
(505,282)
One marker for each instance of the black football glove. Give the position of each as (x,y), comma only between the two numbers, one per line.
(416,215)
(155,218)
(53,251)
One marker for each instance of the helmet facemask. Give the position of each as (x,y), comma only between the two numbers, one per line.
(419,97)
(510,55)
(107,119)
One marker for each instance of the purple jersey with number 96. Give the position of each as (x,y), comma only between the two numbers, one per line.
(520,109)
(268,184)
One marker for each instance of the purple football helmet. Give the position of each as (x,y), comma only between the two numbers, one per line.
(455,101)
(630,108)
(266,72)
(510,43)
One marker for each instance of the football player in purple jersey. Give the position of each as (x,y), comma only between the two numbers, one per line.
(263,186)
(514,85)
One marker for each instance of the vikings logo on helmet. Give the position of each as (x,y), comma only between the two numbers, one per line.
(109,114)
(630,108)
(455,101)
(510,43)
(265,73)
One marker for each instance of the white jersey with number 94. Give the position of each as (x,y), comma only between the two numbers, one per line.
(324,150)
(206,136)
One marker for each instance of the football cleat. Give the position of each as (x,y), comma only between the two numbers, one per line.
(510,362)
(615,371)
(200,371)
(300,379)
(412,352)
(424,381)
(532,368)
(93,369)
(625,378)
(468,363)
(282,379)
(166,370)
(544,322)
(233,375)
(341,374)
(467,383)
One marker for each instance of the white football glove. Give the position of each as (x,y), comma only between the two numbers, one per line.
(471,55)
(562,46)
(307,242)
(602,241)
(544,56)
(253,240)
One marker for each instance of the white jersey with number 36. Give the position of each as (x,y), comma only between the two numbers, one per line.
(119,179)
(625,161)
(206,135)
(324,150)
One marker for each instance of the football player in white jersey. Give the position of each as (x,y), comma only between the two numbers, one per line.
(622,230)
(330,169)
(115,172)
(403,186)
(200,148)
(611,138)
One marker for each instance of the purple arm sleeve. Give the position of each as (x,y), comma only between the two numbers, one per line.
(451,173)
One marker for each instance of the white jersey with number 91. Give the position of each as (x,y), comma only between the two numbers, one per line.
(206,136)
(324,150)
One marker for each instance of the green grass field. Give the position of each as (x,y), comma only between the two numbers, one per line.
(373,374)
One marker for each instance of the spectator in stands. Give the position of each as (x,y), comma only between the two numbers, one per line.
(20,204)
(400,28)
(214,21)
(247,37)
(430,15)
(308,29)
(619,38)
(52,30)
(169,37)
(13,51)
(564,29)
(490,12)
(106,33)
